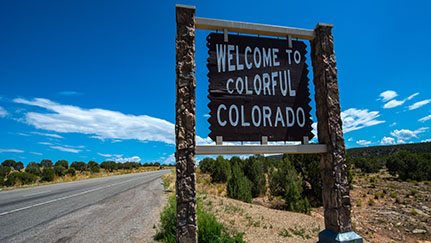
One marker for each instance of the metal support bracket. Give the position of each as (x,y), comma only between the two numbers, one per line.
(219,140)
(225,34)
(289,41)
(264,140)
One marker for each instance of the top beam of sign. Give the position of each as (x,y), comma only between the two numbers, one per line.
(254,29)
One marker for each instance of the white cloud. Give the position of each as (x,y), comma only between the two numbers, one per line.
(11,151)
(36,153)
(131,159)
(354,119)
(426,140)
(363,142)
(388,95)
(64,149)
(412,96)
(45,143)
(405,134)
(48,134)
(110,155)
(393,103)
(350,139)
(314,129)
(393,124)
(170,159)
(419,104)
(3,112)
(207,115)
(424,119)
(105,124)
(387,141)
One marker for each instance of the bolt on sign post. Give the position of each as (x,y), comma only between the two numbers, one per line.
(258,91)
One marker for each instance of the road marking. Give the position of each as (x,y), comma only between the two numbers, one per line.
(65,197)
(36,193)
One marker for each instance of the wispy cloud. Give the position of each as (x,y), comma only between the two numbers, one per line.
(45,143)
(354,119)
(388,95)
(36,153)
(405,134)
(3,112)
(70,93)
(419,104)
(412,96)
(130,159)
(48,134)
(393,104)
(64,149)
(387,141)
(424,119)
(363,142)
(11,151)
(105,124)
(110,155)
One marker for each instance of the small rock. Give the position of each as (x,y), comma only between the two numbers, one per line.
(398,224)
(419,231)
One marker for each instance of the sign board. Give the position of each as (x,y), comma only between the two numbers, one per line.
(258,87)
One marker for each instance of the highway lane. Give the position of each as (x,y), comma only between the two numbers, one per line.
(24,209)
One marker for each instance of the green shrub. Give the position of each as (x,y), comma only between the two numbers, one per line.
(47,174)
(71,171)
(24,178)
(46,163)
(206,164)
(9,163)
(109,166)
(4,171)
(60,170)
(254,172)
(94,169)
(284,181)
(2,182)
(79,165)
(19,166)
(27,178)
(238,186)
(371,202)
(209,230)
(63,163)
(33,169)
(220,171)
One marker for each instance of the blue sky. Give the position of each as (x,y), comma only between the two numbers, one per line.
(95,80)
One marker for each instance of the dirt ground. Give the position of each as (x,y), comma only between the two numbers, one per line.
(383,210)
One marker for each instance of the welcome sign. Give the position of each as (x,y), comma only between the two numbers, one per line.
(258,87)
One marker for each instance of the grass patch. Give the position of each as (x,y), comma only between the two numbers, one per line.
(209,230)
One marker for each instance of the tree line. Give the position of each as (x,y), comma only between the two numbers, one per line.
(13,173)
(402,164)
(294,178)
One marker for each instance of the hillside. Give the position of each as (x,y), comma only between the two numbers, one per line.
(389,149)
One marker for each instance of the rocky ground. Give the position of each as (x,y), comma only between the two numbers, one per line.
(387,210)
(383,210)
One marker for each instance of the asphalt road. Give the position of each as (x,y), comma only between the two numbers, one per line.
(77,211)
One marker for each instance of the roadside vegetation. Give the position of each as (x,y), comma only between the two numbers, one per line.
(14,174)
(209,230)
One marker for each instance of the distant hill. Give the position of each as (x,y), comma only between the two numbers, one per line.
(389,149)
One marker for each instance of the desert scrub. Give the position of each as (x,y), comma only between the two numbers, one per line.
(209,230)
(371,202)
(359,203)
(285,233)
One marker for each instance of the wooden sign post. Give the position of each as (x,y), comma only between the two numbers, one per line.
(236,101)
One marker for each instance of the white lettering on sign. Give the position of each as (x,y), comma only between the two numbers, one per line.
(261,115)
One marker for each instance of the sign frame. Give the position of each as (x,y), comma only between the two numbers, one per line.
(335,188)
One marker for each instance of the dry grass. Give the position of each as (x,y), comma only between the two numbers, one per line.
(86,175)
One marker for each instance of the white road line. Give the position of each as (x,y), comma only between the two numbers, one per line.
(65,197)
(32,194)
